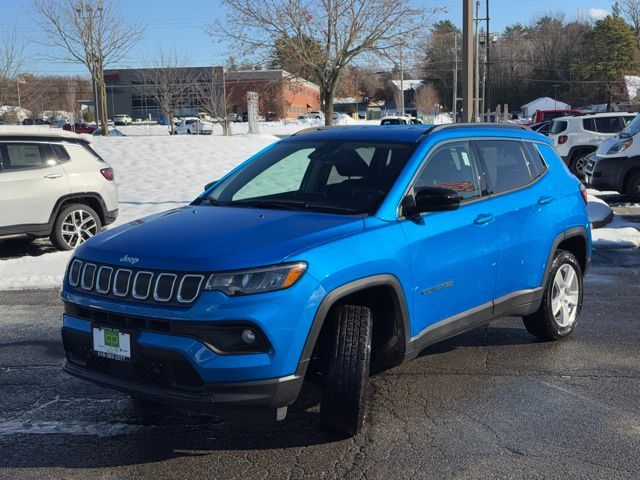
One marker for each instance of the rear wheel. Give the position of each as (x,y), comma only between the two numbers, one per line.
(344,395)
(75,224)
(562,301)
(632,188)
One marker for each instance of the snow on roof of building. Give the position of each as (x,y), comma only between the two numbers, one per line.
(408,84)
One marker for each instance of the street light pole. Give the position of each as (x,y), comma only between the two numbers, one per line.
(487,101)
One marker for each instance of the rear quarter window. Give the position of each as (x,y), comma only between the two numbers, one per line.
(60,152)
(558,126)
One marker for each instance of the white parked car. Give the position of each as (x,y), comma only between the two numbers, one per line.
(576,138)
(54,184)
(122,119)
(194,126)
(398,120)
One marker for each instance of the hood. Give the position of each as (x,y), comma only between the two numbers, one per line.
(607,144)
(212,238)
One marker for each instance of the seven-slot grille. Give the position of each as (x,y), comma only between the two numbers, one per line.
(149,286)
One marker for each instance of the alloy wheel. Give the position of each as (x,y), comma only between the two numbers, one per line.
(565,296)
(77,227)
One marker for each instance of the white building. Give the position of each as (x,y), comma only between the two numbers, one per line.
(543,103)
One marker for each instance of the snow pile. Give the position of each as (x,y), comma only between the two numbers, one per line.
(599,211)
(442,118)
(153,174)
(21,113)
(619,233)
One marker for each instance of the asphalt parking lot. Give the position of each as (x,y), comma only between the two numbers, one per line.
(492,403)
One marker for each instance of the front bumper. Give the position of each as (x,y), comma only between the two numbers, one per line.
(607,173)
(168,377)
(111,216)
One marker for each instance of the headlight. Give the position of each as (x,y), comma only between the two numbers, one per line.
(620,146)
(258,280)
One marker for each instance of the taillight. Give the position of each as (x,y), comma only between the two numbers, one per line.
(562,139)
(107,173)
(583,191)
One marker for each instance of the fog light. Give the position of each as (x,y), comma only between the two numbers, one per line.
(248,336)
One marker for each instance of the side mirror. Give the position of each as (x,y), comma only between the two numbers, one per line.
(210,184)
(430,199)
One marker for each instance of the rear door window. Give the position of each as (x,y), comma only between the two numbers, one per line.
(507,165)
(22,156)
(589,124)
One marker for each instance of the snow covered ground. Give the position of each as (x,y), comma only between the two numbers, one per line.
(153,174)
(156,173)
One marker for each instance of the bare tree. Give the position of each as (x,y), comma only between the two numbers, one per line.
(168,83)
(11,61)
(91,32)
(323,36)
(631,12)
(427,99)
(214,97)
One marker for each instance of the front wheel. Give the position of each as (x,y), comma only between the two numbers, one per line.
(579,163)
(75,224)
(562,300)
(344,396)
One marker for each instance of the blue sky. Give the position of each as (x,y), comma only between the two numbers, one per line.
(180,24)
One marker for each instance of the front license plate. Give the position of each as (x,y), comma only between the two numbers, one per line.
(111,343)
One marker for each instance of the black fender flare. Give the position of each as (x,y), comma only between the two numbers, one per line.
(335,295)
(78,196)
(567,234)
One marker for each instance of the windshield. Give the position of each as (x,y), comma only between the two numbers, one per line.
(632,129)
(328,176)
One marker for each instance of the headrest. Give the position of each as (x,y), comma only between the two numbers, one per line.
(349,164)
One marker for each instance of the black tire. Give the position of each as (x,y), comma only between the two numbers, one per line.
(59,240)
(344,396)
(578,162)
(188,132)
(543,323)
(632,187)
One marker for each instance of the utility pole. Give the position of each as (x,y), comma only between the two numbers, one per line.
(487,101)
(476,105)
(455,77)
(401,83)
(467,59)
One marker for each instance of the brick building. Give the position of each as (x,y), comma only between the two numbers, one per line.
(129,91)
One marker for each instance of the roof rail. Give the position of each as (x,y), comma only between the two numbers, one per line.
(510,126)
(310,129)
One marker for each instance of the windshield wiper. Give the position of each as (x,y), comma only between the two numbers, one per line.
(292,205)
(212,201)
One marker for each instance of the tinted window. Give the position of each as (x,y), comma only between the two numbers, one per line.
(609,124)
(507,166)
(558,126)
(61,153)
(451,166)
(589,124)
(539,167)
(627,119)
(20,156)
(392,121)
(552,115)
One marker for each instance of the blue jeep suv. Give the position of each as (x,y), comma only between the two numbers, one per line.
(330,254)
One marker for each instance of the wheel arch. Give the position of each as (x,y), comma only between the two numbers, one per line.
(576,241)
(90,199)
(390,338)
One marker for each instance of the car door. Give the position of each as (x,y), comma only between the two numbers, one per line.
(31,182)
(453,253)
(521,199)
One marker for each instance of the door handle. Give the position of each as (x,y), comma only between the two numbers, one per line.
(53,175)
(484,218)
(545,200)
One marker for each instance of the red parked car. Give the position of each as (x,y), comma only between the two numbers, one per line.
(79,127)
(544,115)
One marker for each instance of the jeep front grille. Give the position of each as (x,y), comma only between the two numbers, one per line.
(148,286)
